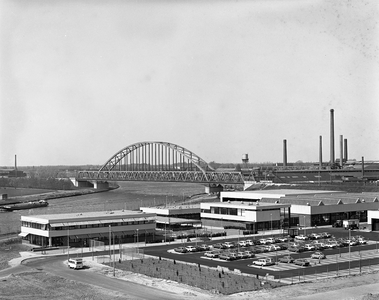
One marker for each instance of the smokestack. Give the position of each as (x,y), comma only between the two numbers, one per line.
(332,136)
(363,166)
(284,153)
(345,150)
(15,163)
(341,151)
(320,152)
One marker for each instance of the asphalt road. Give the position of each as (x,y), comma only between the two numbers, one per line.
(55,265)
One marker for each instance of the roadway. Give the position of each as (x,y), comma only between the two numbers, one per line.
(55,265)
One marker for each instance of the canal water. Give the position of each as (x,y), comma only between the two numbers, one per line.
(130,196)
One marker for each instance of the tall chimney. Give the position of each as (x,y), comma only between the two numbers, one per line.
(345,150)
(363,166)
(15,163)
(341,151)
(332,136)
(320,152)
(284,153)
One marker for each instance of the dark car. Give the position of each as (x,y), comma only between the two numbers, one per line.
(219,246)
(301,262)
(286,259)
(295,249)
(204,247)
(181,250)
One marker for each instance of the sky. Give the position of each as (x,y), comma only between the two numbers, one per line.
(81,80)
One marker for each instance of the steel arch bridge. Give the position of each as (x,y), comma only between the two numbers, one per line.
(160,162)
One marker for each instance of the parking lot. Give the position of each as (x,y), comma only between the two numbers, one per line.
(260,254)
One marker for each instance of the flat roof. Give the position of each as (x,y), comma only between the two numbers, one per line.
(283,192)
(241,204)
(115,214)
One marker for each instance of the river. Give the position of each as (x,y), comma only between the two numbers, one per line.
(130,196)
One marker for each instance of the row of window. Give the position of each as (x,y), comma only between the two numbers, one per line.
(72,227)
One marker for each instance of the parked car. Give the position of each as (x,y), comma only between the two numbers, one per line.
(362,241)
(241,255)
(229,244)
(249,254)
(264,262)
(275,247)
(319,246)
(286,259)
(250,242)
(301,262)
(261,248)
(309,247)
(212,254)
(352,242)
(204,247)
(242,244)
(316,236)
(301,237)
(225,256)
(191,249)
(233,256)
(263,241)
(272,240)
(283,246)
(283,239)
(181,250)
(318,255)
(219,246)
(325,235)
(295,249)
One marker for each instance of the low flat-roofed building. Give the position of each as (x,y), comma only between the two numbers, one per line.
(77,229)
(176,217)
(307,207)
(252,216)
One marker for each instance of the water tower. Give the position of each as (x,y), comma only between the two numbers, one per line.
(245,160)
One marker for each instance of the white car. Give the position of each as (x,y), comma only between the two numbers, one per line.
(264,262)
(301,237)
(212,254)
(309,247)
(263,241)
(242,243)
(271,240)
(249,242)
(191,249)
(229,244)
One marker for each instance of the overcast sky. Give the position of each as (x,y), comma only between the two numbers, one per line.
(80,80)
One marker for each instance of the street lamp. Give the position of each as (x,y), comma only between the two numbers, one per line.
(271,223)
(349,251)
(68,243)
(305,230)
(137,242)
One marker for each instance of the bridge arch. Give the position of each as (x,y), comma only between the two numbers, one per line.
(155,156)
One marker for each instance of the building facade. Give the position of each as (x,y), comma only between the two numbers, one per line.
(253,216)
(77,229)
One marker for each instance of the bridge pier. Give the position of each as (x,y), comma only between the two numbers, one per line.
(100,185)
(81,183)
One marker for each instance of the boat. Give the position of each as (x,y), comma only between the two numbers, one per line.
(26,205)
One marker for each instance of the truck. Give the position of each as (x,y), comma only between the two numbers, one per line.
(351,224)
